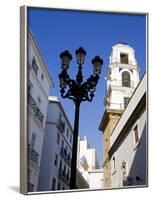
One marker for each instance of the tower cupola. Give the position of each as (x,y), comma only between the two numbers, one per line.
(122,77)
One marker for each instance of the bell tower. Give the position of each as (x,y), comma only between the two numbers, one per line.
(122,79)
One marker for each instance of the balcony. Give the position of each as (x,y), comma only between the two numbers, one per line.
(65,156)
(124,83)
(33,155)
(119,106)
(64,177)
(35,108)
(61,125)
(32,103)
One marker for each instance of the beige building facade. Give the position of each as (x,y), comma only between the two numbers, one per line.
(109,120)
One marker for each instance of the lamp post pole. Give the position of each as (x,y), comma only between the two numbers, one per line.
(78,91)
(74,149)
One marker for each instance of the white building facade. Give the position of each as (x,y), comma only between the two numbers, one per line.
(87,164)
(86,154)
(39,83)
(57,149)
(128,151)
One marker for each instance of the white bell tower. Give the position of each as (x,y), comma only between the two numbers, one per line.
(122,77)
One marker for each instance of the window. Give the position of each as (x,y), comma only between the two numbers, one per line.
(124,170)
(60,116)
(135,133)
(33,140)
(56,160)
(30,187)
(126,79)
(69,156)
(39,101)
(68,175)
(58,138)
(64,171)
(30,87)
(126,101)
(42,76)
(70,138)
(113,164)
(67,134)
(124,58)
(62,144)
(34,66)
(66,150)
(59,186)
(60,168)
(29,172)
(53,184)
(61,123)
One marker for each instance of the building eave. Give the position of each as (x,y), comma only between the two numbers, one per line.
(57,101)
(105,118)
(40,56)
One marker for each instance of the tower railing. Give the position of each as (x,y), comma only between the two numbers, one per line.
(119,106)
(120,83)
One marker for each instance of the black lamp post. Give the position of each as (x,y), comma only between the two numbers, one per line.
(78,91)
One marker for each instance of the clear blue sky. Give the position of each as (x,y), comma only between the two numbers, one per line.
(97,32)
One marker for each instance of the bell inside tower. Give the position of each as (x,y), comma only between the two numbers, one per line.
(124,58)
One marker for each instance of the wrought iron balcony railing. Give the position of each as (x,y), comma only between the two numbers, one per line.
(35,108)
(32,154)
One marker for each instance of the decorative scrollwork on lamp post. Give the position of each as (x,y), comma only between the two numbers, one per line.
(78,91)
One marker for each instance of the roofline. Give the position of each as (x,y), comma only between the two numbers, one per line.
(105,118)
(63,111)
(34,40)
(124,44)
(96,171)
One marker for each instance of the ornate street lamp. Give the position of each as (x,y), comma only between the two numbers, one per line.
(78,91)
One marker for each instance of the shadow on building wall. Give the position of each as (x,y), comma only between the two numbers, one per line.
(138,171)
